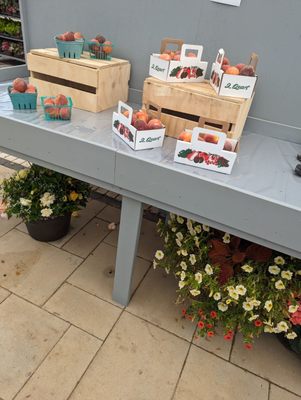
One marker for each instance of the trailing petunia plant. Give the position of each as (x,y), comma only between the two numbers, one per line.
(39,193)
(230,282)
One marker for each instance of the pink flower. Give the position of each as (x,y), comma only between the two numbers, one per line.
(213,314)
(210,333)
(248,346)
(201,324)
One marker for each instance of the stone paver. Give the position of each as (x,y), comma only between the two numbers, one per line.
(3,294)
(63,367)
(110,214)
(83,310)
(137,361)
(280,394)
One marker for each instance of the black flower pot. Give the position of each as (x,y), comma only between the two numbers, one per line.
(292,345)
(50,229)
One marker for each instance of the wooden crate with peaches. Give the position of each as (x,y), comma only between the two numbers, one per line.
(140,129)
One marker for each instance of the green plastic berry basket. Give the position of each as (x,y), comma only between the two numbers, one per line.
(54,112)
(23,101)
(96,51)
(72,49)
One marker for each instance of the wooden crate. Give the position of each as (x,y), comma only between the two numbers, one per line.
(93,85)
(184,103)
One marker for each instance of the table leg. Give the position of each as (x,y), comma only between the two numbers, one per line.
(128,240)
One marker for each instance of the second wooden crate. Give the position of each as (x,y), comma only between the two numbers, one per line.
(183,104)
(93,85)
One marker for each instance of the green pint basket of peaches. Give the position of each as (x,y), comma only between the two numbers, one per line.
(57,108)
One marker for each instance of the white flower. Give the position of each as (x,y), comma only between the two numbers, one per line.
(192,232)
(286,275)
(180,220)
(183,275)
(46,212)
(195,292)
(226,238)
(298,272)
(217,296)
(155,264)
(247,268)
(208,269)
(181,284)
(184,252)
(179,252)
(241,290)
(256,303)
(232,292)
(268,329)
(166,238)
(183,265)
(23,173)
(192,259)
(172,216)
(159,254)
(196,241)
(25,202)
(291,335)
(279,260)
(47,199)
(268,305)
(180,236)
(274,270)
(248,305)
(198,277)
(198,229)
(254,317)
(292,309)
(189,224)
(206,228)
(282,327)
(279,285)
(222,306)
(178,242)
(174,229)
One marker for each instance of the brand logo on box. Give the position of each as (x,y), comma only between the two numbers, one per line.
(157,68)
(236,86)
(149,139)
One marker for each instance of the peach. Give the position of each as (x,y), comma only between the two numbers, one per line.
(141,125)
(52,111)
(78,35)
(176,57)
(20,85)
(232,71)
(155,124)
(225,67)
(247,70)
(69,36)
(226,61)
(30,89)
(240,66)
(107,47)
(60,37)
(100,38)
(165,56)
(142,115)
(211,138)
(185,136)
(65,113)
(61,100)
(191,54)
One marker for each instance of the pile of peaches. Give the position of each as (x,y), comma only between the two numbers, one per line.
(101,44)
(57,107)
(169,55)
(70,36)
(209,138)
(143,121)
(239,69)
(20,86)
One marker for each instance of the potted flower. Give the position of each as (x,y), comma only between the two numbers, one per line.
(231,282)
(44,199)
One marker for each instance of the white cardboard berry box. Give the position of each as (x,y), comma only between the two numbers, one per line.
(232,85)
(137,140)
(202,154)
(187,69)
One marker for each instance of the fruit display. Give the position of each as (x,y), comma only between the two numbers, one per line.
(70,44)
(23,95)
(70,36)
(183,64)
(100,48)
(10,8)
(57,108)
(230,144)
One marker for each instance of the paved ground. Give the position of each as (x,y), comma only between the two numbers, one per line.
(62,337)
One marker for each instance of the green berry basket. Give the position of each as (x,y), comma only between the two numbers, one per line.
(97,52)
(23,101)
(71,49)
(54,112)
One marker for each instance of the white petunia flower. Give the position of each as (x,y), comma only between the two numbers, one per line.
(184,252)
(198,229)
(179,243)
(292,309)
(166,238)
(155,264)
(25,202)
(248,305)
(172,216)
(298,272)
(274,270)
(23,173)
(217,296)
(206,228)
(279,285)
(268,329)
(233,293)
(256,303)
(253,317)
(180,236)
(222,306)
(180,220)
(208,269)
(183,275)
(291,335)
(198,277)
(46,212)
(268,305)
(183,265)
(47,199)
(247,268)
(181,284)
(174,229)
(286,275)
(282,327)
(279,260)
(189,224)
(195,292)
(196,241)
(159,255)
(226,238)
(192,232)
(192,259)
(241,290)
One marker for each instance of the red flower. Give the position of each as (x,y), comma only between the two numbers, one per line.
(210,333)
(228,337)
(257,323)
(209,326)
(248,346)
(189,317)
(184,311)
(213,314)
(201,325)
(200,312)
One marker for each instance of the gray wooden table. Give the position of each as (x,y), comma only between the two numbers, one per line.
(260,201)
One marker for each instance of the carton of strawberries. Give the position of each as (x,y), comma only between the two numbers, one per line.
(140,129)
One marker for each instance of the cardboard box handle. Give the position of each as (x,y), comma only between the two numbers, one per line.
(157,109)
(192,47)
(220,57)
(198,144)
(225,125)
(122,105)
(254,60)
(167,41)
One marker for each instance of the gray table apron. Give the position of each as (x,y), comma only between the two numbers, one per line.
(259,201)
